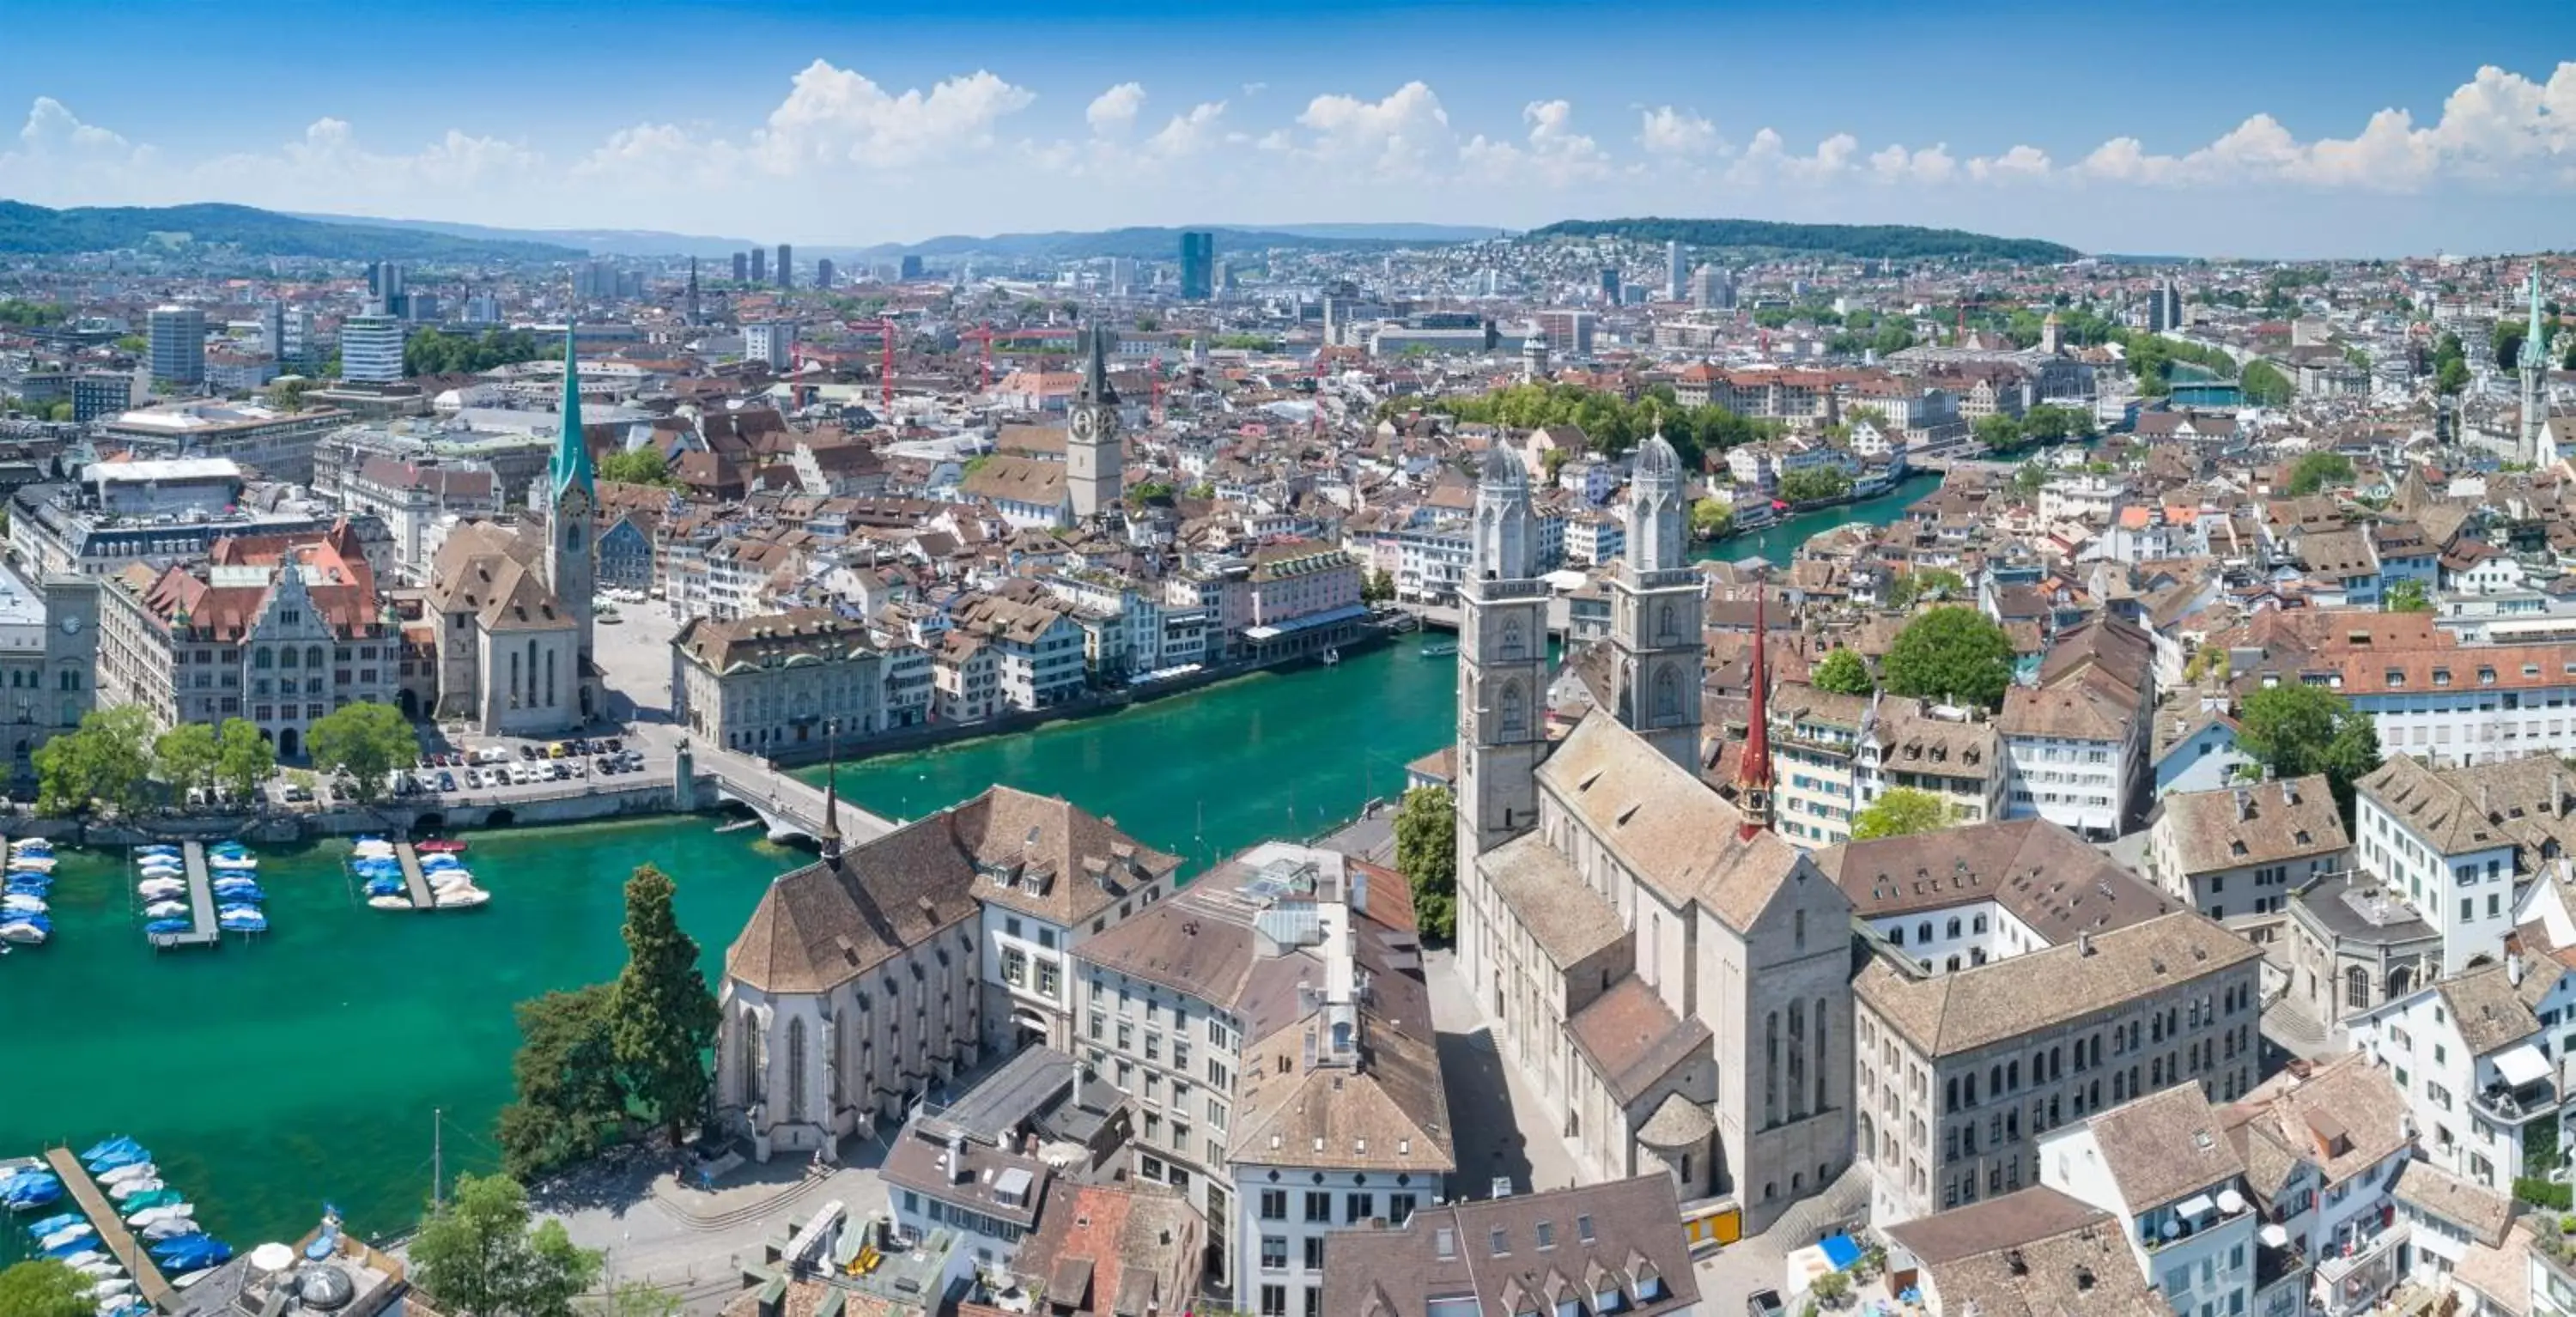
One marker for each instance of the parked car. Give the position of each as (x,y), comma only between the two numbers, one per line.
(1764,1303)
(446,781)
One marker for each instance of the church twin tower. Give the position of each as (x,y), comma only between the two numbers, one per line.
(1502,642)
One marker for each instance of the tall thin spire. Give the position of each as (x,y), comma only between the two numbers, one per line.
(572,452)
(1753,773)
(832,797)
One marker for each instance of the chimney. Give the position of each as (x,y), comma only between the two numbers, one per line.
(957,1173)
(2083,943)
(2244,804)
(2513,968)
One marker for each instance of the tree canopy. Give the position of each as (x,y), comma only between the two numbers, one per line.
(432,352)
(2265,385)
(2406,597)
(481,1254)
(1950,653)
(1815,484)
(105,762)
(1613,422)
(637,466)
(663,1016)
(565,1079)
(1900,812)
(1712,519)
(1866,241)
(1844,673)
(1426,853)
(185,756)
(2297,729)
(44,1287)
(2315,471)
(243,758)
(367,740)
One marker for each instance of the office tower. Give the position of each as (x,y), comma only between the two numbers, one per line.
(178,345)
(371,349)
(297,323)
(272,329)
(759,265)
(772,341)
(823,273)
(384,282)
(1610,284)
(1673,272)
(1198,265)
(482,309)
(101,393)
(741,268)
(786,266)
(910,269)
(421,306)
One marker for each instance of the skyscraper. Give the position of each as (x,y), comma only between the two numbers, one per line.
(823,273)
(759,265)
(1674,275)
(178,345)
(1610,284)
(908,269)
(371,349)
(1198,265)
(741,267)
(786,266)
(385,287)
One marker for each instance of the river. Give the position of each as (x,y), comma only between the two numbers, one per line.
(1780,541)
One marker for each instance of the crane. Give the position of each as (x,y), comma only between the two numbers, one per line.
(885,370)
(983,334)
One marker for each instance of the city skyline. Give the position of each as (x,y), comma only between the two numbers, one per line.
(2457,139)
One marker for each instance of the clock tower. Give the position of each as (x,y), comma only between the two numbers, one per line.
(1091,447)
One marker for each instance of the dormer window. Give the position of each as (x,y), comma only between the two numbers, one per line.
(2441,676)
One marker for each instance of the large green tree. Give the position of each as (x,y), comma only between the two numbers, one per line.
(367,740)
(2265,385)
(1950,653)
(1899,812)
(105,762)
(1815,484)
(1844,673)
(44,1288)
(185,756)
(2315,471)
(243,758)
(2406,597)
(567,1082)
(1712,519)
(664,1016)
(2297,729)
(1426,853)
(481,1254)
(637,466)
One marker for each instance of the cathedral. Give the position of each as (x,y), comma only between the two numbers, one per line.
(512,604)
(1673,977)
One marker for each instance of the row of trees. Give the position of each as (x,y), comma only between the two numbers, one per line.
(1613,422)
(2046,423)
(1815,484)
(594,1061)
(31,315)
(112,760)
(2317,471)
(2264,385)
(432,352)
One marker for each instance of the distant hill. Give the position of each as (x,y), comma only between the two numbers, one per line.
(597,242)
(25,228)
(1864,241)
(1164,243)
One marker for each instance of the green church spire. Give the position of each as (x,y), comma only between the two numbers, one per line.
(572,452)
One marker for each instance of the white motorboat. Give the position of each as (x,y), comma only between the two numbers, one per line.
(227,864)
(122,1174)
(390,902)
(170,1228)
(160,873)
(166,910)
(66,1235)
(160,889)
(31,864)
(25,935)
(112,1286)
(440,882)
(153,1216)
(460,898)
(128,1188)
(82,1259)
(100,1270)
(22,905)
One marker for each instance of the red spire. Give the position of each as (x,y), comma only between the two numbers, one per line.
(1753,771)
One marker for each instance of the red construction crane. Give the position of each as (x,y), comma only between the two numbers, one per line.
(885,369)
(983,334)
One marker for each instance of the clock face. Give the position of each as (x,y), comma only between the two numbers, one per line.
(72,625)
(1086,425)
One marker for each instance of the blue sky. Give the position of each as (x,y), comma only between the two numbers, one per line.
(2212,129)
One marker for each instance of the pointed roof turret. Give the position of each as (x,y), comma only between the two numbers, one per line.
(2534,352)
(572,452)
(1095,386)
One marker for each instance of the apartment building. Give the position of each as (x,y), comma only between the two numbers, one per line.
(1957,898)
(771,683)
(2077,739)
(1961,1074)
(2473,1060)
(2323,1149)
(1039,908)
(1580,1251)
(412,498)
(2175,1187)
(2234,854)
(2457,845)
(1037,650)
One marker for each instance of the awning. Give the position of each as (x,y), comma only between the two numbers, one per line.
(2196,1205)
(1266,632)
(2522,1064)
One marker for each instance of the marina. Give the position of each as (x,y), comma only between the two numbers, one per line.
(118,1242)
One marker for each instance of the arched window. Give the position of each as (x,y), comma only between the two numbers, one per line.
(285,657)
(1515,710)
(1798,937)
(1822,1068)
(313,657)
(514,679)
(796,1069)
(1771,1069)
(550,679)
(1668,694)
(1954,925)
(1514,644)
(747,1039)
(1666,625)
(1797,1065)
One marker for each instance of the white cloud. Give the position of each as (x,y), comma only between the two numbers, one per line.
(836,116)
(1405,135)
(1113,111)
(1188,134)
(1931,164)
(2021,162)
(1555,154)
(1668,131)
(1767,159)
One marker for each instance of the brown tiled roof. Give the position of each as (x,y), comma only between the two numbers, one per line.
(2031,1253)
(1624,1235)
(1664,824)
(2482,1212)
(2047,877)
(1104,1249)
(2263,823)
(1633,1039)
(2165,1146)
(1947,1014)
(815,634)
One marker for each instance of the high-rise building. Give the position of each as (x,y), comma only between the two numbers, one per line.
(272,329)
(371,349)
(1712,288)
(824,273)
(786,266)
(742,267)
(759,265)
(909,269)
(2164,307)
(101,393)
(772,341)
(1198,265)
(1610,284)
(178,345)
(385,285)
(1674,275)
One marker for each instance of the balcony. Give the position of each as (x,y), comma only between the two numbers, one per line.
(2192,1217)
(2355,1272)
(2523,1088)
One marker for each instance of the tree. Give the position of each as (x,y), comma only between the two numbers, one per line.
(185,756)
(1844,673)
(2315,471)
(1712,519)
(243,759)
(1815,484)
(635,1298)
(665,1018)
(61,411)
(105,762)
(2406,597)
(637,466)
(1377,587)
(1426,853)
(134,344)
(2451,375)
(1831,1288)
(367,740)
(1998,433)
(44,1288)
(2297,730)
(1902,811)
(476,1255)
(2265,385)
(1950,653)
(566,1081)
(1906,589)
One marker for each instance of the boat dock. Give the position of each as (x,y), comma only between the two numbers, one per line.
(413,880)
(201,905)
(119,1242)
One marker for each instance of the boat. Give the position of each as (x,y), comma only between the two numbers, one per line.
(67,1234)
(169,926)
(30,864)
(241,919)
(1440,649)
(228,847)
(113,1285)
(77,1256)
(459,898)
(142,1203)
(26,932)
(31,846)
(434,863)
(160,889)
(160,1214)
(174,1227)
(239,893)
(18,903)
(33,1197)
(166,910)
(100,1268)
(390,902)
(244,867)
(133,1154)
(116,1175)
(129,1188)
(53,1223)
(148,848)
(441,846)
